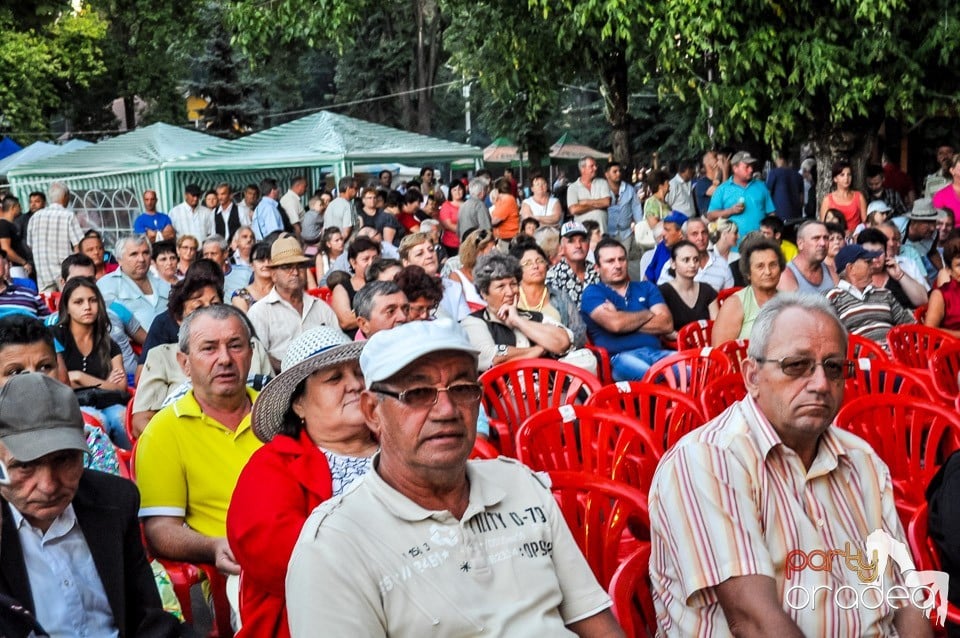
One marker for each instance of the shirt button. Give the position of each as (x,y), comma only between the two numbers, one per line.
(820,523)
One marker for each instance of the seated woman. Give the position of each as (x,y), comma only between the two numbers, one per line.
(165,260)
(316,445)
(92,358)
(943,309)
(688,300)
(361,253)
(423,291)
(262,282)
(476,244)
(241,247)
(761,263)
(501,331)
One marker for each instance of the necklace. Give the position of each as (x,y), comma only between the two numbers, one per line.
(526,304)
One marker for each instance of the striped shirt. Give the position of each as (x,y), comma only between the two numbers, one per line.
(730,499)
(868,313)
(52,234)
(15,299)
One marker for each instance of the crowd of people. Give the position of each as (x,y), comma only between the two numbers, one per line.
(300,379)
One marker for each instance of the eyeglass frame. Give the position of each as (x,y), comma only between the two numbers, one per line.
(402,395)
(848,367)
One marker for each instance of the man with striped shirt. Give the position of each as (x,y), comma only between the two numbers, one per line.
(864,310)
(16,299)
(759,519)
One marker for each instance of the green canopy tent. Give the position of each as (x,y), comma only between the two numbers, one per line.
(310,146)
(107,179)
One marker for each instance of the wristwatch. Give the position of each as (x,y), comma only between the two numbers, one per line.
(501,351)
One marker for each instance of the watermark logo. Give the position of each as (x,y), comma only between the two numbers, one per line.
(924,589)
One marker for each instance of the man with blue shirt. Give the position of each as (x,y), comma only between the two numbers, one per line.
(235,276)
(133,285)
(623,316)
(153,224)
(742,199)
(625,208)
(266,217)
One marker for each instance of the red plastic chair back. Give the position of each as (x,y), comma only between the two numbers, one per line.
(323,293)
(925,552)
(721,393)
(726,293)
(604,371)
(689,370)
(484,449)
(873,376)
(668,413)
(944,367)
(913,344)
(736,351)
(920,313)
(862,348)
(695,335)
(580,438)
(598,512)
(52,299)
(89,419)
(630,592)
(515,390)
(911,436)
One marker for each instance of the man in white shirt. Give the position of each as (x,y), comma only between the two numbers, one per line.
(292,202)
(589,196)
(340,213)
(680,195)
(189,218)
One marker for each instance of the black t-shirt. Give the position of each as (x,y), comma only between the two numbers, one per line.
(8,230)
(76,361)
(684,314)
(382,219)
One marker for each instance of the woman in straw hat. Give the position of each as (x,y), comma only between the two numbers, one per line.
(316,444)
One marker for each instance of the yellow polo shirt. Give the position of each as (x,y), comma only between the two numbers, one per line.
(187,465)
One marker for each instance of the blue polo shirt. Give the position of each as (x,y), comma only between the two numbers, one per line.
(756,199)
(156,222)
(641,295)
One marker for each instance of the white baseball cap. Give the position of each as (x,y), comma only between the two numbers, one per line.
(390,351)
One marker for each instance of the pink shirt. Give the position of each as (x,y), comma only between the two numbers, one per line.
(946,197)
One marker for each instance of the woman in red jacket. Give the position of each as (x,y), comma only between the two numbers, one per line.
(316,445)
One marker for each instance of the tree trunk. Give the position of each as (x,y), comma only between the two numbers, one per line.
(854,145)
(428,20)
(129,112)
(614,75)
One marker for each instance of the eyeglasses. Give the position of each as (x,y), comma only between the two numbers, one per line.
(459,393)
(800,366)
(539,261)
(422,311)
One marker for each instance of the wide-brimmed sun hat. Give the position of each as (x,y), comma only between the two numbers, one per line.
(315,349)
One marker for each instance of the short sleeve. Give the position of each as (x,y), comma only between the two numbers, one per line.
(591,299)
(160,473)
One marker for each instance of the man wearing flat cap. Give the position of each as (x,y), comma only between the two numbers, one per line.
(70,550)
(864,310)
(428,543)
(742,199)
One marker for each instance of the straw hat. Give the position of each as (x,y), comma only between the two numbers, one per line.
(287,250)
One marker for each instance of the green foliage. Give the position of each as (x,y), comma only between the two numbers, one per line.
(43,65)
(789,71)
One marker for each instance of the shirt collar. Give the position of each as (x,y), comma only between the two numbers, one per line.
(846,286)
(60,526)
(829,448)
(187,405)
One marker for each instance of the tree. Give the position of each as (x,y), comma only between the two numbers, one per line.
(59,54)
(828,72)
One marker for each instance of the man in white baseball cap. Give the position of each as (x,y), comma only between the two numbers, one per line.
(426,543)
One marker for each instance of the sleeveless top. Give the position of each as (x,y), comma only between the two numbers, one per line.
(750,311)
(542,210)
(804,285)
(851,211)
(470,293)
(682,313)
(951,305)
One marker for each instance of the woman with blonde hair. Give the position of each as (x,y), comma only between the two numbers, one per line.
(475,244)
(724,235)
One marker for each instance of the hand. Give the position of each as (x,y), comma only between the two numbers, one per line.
(893,269)
(224,559)
(74,376)
(28,269)
(508,315)
(117,375)
(738,208)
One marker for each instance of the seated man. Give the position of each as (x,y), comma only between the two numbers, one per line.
(16,299)
(738,505)
(429,543)
(864,310)
(71,544)
(623,316)
(191,454)
(133,285)
(379,305)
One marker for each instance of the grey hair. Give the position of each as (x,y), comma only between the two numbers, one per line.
(583,161)
(548,238)
(57,192)
(223,185)
(692,220)
(366,296)
(219,312)
(478,186)
(763,325)
(134,239)
(807,224)
(428,225)
(218,239)
(493,266)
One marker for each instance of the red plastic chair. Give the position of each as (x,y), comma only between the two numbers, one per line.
(873,376)
(579,438)
(726,293)
(605,372)
(52,299)
(944,367)
(89,419)
(925,552)
(322,292)
(722,392)
(860,347)
(598,512)
(484,449)
(695,335)
(736,351)
(668,413)
(920,313)
(689,370)
(911,436)
(630,592)
(514,390)
(914,344)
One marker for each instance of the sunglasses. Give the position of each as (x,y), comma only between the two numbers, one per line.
(800,366)
(459,393)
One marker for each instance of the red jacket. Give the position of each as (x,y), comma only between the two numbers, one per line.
(281,484)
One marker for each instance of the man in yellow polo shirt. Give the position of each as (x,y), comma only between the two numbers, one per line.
(192,451)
